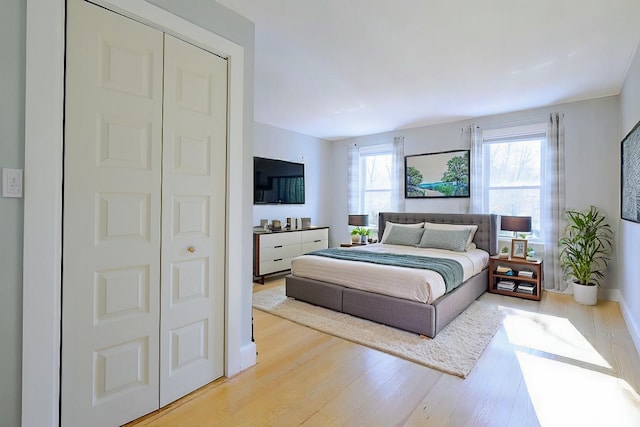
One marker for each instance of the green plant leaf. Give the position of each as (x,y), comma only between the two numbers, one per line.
(586,246)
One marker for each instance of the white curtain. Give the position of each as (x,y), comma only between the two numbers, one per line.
(397,175)
(353,187)
(553,202)
(472,138)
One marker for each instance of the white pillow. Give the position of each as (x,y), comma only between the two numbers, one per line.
(389,225)
(471,227)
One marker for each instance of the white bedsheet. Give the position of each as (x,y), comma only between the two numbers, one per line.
(401,282)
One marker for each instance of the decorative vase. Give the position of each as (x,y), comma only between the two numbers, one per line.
(355,238)
(363,239)
(583,294)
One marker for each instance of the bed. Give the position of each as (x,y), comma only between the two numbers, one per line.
(424,315)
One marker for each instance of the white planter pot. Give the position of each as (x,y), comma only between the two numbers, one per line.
(587,295)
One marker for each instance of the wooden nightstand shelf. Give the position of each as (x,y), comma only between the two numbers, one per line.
(516,265)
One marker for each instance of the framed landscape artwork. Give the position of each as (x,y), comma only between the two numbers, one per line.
(437,175)
(630,175)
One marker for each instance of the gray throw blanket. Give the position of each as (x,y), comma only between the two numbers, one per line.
(450,270)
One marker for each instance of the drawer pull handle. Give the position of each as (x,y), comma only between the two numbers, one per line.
(191,249)
(279,246)
(279,259)
(316,241)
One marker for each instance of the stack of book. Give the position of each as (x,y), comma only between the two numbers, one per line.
(506,285)
(525,273)
(501,269)
(526,288)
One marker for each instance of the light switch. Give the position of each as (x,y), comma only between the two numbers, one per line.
(11,182)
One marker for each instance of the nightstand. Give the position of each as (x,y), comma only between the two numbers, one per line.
(525,280)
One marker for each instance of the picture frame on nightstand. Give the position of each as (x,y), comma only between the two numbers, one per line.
(519,248)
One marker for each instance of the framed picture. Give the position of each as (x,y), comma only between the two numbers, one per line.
(518,248)
(437,175)
(630,176)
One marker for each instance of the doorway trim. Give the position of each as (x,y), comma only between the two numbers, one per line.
(42,253)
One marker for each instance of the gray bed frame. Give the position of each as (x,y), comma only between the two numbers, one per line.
(424,319)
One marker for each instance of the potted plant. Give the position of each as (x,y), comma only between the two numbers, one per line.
(355,237)
(585,252)
(531,253)
(504,252)
(364,235)
(360,235)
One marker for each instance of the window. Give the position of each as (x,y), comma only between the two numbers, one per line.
(514,174)
(376,165)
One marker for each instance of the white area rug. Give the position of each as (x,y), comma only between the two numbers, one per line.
(455,350)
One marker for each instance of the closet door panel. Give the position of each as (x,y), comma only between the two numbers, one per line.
(111,225)
(193,205)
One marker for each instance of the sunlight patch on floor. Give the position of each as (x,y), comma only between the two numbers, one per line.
(551,334)
(567,395)
(569,383)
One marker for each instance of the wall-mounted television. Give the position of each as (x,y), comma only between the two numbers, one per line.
(277,182)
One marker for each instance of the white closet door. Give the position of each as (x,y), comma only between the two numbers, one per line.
(111,226)
(193,206)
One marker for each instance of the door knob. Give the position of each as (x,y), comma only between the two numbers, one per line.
(191,249)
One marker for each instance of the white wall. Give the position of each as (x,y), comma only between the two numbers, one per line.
(276,143)
(12,86)
(592,166)
(629,232)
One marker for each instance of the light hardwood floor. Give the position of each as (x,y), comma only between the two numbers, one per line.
(551,363)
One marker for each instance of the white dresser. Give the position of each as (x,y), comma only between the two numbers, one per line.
(273,252)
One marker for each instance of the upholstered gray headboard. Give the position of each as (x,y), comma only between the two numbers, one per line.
(486,237)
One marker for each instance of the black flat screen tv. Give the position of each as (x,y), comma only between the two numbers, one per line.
(277,182)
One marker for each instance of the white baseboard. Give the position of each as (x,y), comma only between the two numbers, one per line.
(634,329)
(609,295)
(616,295)
(248,356)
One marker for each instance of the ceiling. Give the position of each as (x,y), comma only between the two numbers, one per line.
(340,68)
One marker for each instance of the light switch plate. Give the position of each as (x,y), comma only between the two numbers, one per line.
(11,182)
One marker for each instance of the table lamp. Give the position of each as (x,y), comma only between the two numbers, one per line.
(517,224)
(359,221)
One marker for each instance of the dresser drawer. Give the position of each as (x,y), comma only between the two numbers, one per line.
(315,235)
(314,246)
(279,252)
(273,252)
(279,239)
(268,267)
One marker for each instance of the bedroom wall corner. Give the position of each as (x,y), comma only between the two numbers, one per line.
(628,233)
(339,178)
(276,143)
